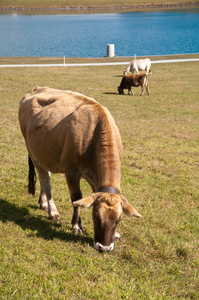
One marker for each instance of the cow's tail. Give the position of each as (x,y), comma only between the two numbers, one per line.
(31,177)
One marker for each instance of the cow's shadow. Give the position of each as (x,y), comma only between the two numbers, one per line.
(40,227)
(118,76)
(110,93)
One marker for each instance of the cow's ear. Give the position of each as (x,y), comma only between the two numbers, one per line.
(85,202)
(128,209)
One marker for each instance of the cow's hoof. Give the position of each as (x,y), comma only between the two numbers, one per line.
(77,230)
(44,207)
(117,236)
(55,218)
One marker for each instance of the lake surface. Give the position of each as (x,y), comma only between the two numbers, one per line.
(87,35)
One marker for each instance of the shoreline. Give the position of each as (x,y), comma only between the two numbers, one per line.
(105,7)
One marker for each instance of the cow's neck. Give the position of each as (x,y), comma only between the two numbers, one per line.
(108,154)
(108,177)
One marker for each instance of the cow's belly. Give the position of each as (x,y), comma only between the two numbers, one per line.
(45,158)
(43,146)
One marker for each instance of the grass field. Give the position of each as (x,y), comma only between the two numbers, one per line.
(158,257)
(89,3)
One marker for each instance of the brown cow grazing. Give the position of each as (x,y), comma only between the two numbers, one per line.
(133,80)
(66,132)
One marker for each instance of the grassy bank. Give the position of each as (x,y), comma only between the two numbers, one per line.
(158,256)
(71,60)
(91,3)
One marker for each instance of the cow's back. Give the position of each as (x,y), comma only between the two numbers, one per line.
(61,124)
(50,104)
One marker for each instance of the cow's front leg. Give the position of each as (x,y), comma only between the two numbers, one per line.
(76,221)
(75,194)
(117,235)
(132,93)
(45,200)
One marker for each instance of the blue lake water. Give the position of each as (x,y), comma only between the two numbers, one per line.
(86,35)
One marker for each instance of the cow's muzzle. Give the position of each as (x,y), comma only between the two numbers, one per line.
(99,247)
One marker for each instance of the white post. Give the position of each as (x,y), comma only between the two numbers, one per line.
(110,50)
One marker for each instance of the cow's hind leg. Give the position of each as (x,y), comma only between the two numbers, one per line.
(147,89)
(45,200)
(142,87)
(73,182)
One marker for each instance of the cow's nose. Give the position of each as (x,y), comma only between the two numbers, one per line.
(101,248)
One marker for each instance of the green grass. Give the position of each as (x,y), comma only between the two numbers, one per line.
(158,256)
(88,3)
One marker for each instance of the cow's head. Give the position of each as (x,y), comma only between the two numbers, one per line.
(107,212)
(120,90)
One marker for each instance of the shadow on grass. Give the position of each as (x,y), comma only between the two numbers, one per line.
(110,93)
(45,229)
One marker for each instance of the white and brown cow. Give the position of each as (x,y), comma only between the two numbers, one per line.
(67,132)
(139,65)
